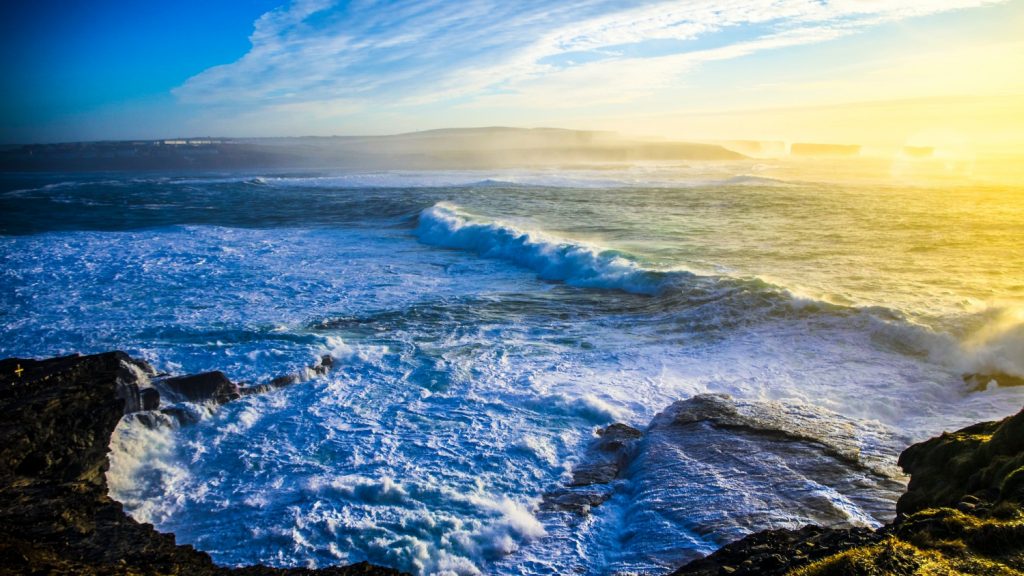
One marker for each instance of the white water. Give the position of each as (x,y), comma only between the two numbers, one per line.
(484,331)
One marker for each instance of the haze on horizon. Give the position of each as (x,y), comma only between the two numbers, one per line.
(886,73)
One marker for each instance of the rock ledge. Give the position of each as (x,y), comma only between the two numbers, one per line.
(56,419)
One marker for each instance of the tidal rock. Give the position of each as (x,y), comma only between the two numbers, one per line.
(256,389)
(725,468)
(322,366)
(56,420)
(181,415)
(962,514)
(604,459)
(150,419)
(576,501)
(606,456)
(150,398)
(205,387)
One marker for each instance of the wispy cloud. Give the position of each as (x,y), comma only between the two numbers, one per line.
(312,53)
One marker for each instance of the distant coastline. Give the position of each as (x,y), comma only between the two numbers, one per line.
(469,148)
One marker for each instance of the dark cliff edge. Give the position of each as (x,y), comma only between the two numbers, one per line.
(56,419)
(961,514)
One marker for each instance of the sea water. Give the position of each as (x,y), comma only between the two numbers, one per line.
(486,324)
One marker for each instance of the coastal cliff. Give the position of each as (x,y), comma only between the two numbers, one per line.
(56,420)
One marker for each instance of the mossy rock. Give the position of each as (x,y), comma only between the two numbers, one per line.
(978,460)
(1012,489)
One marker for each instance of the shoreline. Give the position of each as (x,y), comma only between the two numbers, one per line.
(962,511)
(55,512)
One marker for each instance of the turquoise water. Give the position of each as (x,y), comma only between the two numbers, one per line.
(487,323)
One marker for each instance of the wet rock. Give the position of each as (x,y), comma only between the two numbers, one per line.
(207,386)
(151,420)
(132,374)
(257,389)
(743,466)
(286,380)
(606,456)
(776,552)
(325,365)
(960,515)
(322,366)
(56,419)
(181,415)
(150,398)
(575,501)
(749,466)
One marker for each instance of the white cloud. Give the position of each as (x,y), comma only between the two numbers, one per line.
(314,54)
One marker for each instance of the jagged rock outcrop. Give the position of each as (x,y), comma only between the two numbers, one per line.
(743,466)
(604,460)
(962,514)
(204,387)
(56,419)
(779,551)
(981,465)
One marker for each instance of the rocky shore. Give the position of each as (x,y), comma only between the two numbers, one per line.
(56,419)
(961,513)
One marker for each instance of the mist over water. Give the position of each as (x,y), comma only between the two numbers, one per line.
(486,323)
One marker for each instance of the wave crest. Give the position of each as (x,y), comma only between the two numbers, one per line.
(577,264)
(993,350)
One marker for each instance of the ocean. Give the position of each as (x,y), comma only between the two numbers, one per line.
(487,323)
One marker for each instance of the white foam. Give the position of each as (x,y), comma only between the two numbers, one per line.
(587,406)
(575,263)
(995,346)
(144,464)
(433,540)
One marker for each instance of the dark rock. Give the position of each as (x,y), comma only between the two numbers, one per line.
(980,459)
(56,419)
(181,415)
(774,552)
(745,466)
(606,456)
(575,501)
(282,381)
(130,375)
(208,386)
(257,389)
(325,365)
(150,398)
(150,419)
(971,499)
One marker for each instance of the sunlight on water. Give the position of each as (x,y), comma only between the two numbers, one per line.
(486,323)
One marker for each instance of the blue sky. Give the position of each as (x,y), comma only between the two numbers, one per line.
(118,69)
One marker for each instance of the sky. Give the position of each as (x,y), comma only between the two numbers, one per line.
(876,72)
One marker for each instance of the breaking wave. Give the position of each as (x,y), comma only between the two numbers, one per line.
(994,348)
